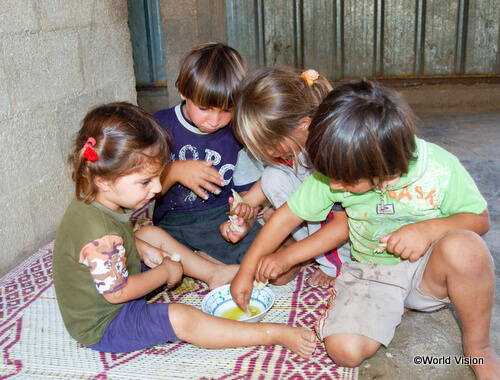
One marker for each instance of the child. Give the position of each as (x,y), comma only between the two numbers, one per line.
(272,114)
(415,216)
(198,181)
(118,156)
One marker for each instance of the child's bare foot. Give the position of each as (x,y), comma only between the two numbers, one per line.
(221,275)
(491,367)
(319,278)
(297,339)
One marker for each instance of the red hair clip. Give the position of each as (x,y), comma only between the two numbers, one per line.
(89,152)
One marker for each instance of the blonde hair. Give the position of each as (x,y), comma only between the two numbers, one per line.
(269,106)
(210,74)
(127,140)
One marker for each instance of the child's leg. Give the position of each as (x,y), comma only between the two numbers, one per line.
(208,257)
(196,327)
(350,350)
(461,268)
(194,265)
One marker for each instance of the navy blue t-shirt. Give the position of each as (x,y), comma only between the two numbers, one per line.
(189,143)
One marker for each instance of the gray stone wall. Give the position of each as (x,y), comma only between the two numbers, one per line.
(58,59)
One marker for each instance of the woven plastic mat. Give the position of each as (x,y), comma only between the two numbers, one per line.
(35,344)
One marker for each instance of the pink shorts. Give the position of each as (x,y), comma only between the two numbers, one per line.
(369,299)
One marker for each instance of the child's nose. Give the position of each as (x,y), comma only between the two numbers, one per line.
(214,118)
(156,185)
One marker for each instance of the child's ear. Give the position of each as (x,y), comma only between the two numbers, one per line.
(182,96)
(101,183)
(304,123)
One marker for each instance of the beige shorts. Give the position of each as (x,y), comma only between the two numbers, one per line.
(369,299)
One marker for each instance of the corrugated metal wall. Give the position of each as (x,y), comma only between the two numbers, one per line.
(372,38)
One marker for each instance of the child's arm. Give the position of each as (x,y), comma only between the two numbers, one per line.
(138,285)
(199,176)
(270,237)
(255,196)
(106,259)
(413,240)
(332,235)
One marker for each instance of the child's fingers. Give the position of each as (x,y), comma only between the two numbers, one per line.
(260,273)
(212,174)
(225,231)
(229,235)
(241,298)
(243,211)
(208,186)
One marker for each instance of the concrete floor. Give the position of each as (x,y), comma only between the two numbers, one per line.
(474,138)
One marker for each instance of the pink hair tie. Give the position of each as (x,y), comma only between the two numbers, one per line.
(89,152)
(310,76)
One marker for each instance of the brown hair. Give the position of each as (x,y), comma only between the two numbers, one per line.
(270,105)
(128,139)
(362,131)
(210,74)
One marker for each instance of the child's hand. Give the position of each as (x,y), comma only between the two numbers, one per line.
(173,271)
(241,289)
(235,236)
(243,210)
(410,242)
(271,266)
(199,176)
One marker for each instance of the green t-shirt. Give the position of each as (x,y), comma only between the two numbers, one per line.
(436,186)
(94,253)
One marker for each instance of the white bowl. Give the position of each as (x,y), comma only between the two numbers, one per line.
(219,302)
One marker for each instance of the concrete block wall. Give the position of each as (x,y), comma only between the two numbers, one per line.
(58,59)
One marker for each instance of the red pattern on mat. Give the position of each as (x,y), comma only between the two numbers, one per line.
(26,283)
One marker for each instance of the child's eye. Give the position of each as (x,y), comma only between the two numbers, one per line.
(203,108)
(146,182)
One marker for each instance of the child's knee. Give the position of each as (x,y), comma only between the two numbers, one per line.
(464,250)
(350,350)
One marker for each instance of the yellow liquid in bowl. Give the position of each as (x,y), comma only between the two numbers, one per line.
(236,313)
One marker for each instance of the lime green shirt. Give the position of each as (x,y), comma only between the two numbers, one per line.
(436,186)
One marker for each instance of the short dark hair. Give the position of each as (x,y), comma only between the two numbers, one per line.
(362,130)
(210,74)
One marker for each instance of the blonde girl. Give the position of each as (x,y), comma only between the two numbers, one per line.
(99,265)
(272,113)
